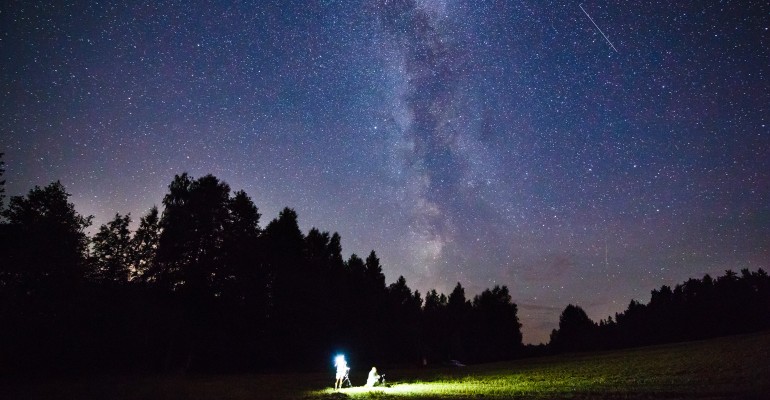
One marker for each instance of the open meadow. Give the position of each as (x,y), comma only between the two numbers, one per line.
(729,368)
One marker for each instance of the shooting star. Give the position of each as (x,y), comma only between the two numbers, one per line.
(597,27)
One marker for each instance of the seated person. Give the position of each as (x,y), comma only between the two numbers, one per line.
(373,378)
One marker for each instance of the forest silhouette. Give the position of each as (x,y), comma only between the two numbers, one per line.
(201,286)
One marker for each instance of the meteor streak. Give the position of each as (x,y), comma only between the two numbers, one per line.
(597,27)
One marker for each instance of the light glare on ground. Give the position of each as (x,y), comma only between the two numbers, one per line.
(441,387)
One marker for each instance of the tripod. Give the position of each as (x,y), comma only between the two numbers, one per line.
(346,379)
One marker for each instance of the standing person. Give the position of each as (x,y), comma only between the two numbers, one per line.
(373,378)
(342,370)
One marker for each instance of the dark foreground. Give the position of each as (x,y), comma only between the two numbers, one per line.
(724,368)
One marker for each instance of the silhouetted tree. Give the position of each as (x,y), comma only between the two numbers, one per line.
(607,335)
(495,325)
(337,293)
(121,324)
(48,238)
(373,270)
(361,302)
(2,182)
(238,335)
(435,320)
(576,331)
(42,265)
(292,289)
(240,275)
(111,254)
(662,305)
(144,245)
(403,330)
(192,227)
(633,325)
(189,262)
(327,303)
(458,311)
(757,286)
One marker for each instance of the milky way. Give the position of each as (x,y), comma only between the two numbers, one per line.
(486,143)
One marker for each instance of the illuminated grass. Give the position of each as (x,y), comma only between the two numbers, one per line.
(726,368)
(734,367)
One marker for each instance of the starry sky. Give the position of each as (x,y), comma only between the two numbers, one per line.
(577,152)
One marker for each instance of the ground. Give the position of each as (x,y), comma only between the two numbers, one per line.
(726,368)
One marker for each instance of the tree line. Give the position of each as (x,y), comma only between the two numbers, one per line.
(202,286)
(696,309)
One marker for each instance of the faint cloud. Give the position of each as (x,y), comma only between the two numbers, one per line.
(537,307)
(549,267)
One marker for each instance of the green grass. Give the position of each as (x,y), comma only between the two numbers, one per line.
(731,367)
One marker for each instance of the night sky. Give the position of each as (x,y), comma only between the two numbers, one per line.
(485,142)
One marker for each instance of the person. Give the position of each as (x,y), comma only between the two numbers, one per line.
(342,371)
(373,377)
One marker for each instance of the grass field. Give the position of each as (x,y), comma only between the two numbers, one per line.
(729,368)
